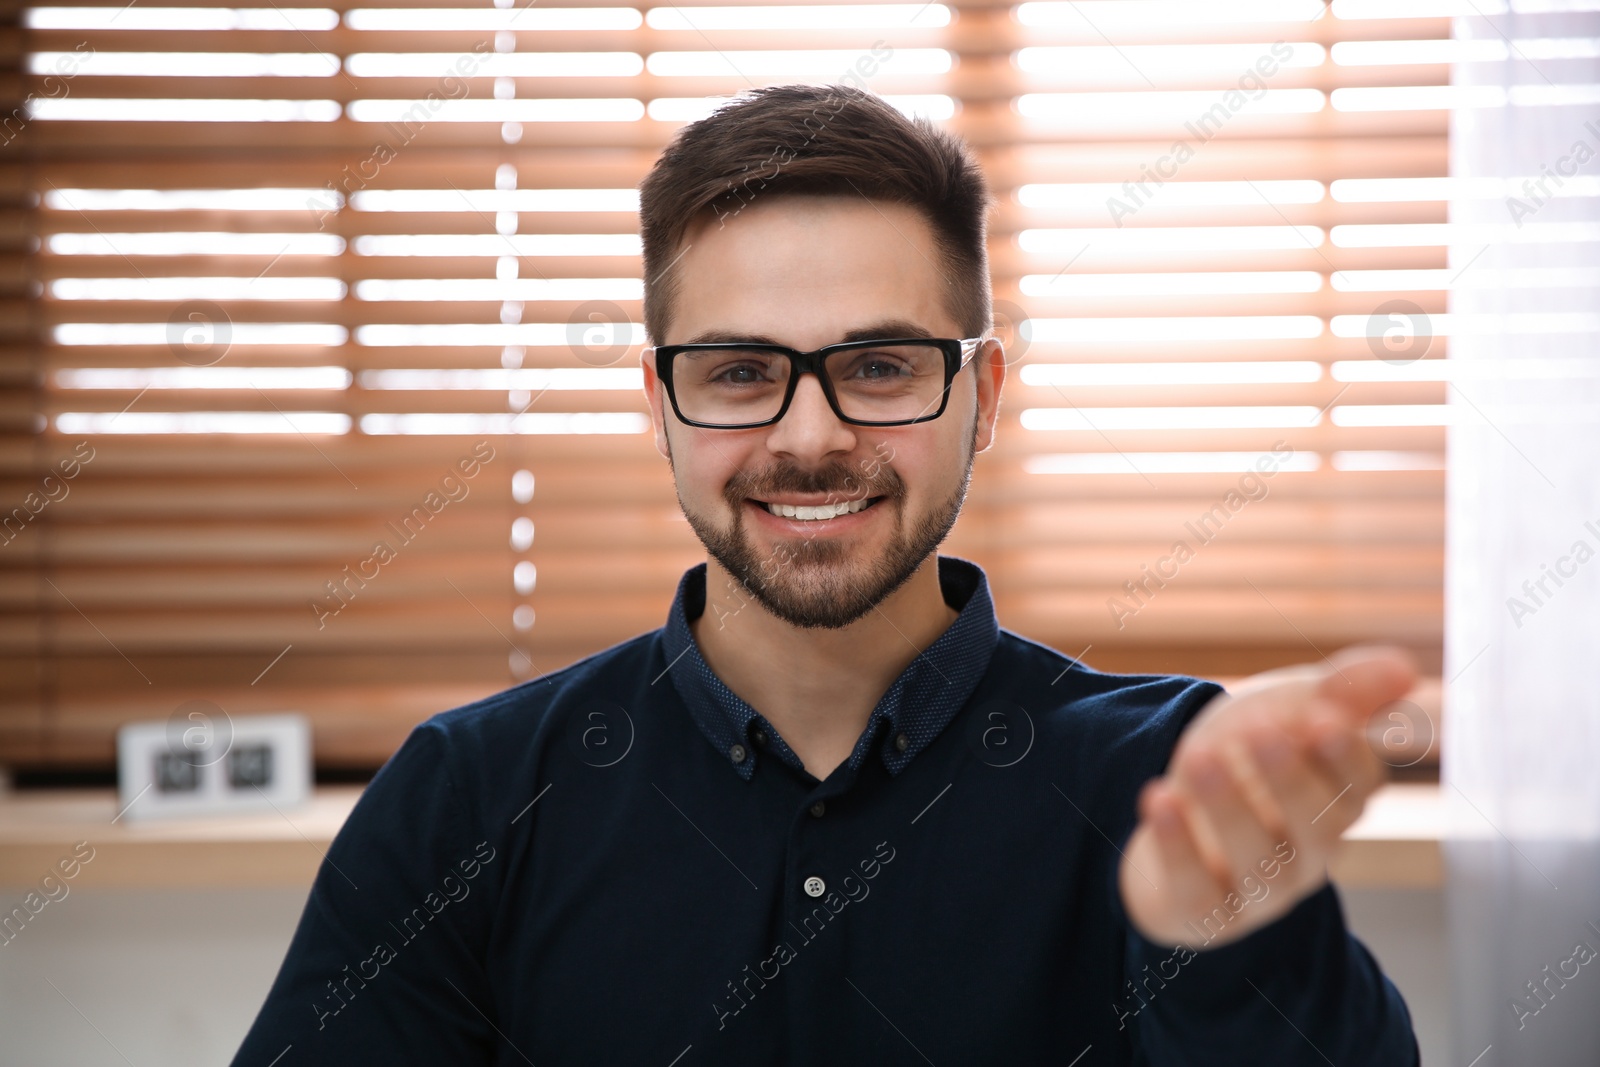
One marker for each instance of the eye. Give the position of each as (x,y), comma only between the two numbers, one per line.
(729,374)
(882,367)
(723,367)
(879,366)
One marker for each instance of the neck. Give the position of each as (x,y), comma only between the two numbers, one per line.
(818,687)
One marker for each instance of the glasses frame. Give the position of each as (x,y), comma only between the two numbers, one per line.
(957,354)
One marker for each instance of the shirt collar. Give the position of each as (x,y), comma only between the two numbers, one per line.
(916,707)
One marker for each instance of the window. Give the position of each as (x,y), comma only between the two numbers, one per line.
(333,316)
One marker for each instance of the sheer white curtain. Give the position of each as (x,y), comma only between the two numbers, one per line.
(1521,762)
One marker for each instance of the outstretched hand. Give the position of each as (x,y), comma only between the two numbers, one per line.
(1260,787)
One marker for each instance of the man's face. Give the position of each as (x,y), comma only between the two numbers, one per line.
(804,271)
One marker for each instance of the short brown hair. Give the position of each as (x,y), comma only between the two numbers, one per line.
(832,139)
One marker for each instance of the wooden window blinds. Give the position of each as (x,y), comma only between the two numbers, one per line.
(323,329)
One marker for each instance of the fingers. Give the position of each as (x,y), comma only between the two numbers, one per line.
(1328,708)
(1181,861)
(1357,681)
(1314,806)
(1363,678)
(1180,877)
(1229,832)
(1306,776)
(1339,745)
(1205,856)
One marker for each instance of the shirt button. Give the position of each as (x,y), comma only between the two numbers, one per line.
(737,753)
(818,808)
(815,886)
(760,738)
(901,742)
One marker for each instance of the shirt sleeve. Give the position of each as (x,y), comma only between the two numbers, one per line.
(1300,990)
(386,963)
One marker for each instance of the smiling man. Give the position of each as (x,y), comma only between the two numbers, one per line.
(831,812)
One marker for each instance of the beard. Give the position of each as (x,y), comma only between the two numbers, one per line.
(817,582)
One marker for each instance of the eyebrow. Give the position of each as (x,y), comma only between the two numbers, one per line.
(870,332)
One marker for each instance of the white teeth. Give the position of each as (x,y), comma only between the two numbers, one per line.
(820,511)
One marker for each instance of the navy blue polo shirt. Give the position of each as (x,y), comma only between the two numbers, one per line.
(622,862)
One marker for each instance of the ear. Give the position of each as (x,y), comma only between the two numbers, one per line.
(655,396)
(989,366)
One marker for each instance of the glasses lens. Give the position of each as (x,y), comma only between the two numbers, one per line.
(887,383)
(881,383)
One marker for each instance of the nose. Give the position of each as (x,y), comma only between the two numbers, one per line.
(810,429)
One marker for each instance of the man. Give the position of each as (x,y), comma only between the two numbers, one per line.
(831,812)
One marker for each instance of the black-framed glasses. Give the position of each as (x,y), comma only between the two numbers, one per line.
(737,386)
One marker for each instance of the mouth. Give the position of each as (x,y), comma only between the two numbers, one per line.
(816,513)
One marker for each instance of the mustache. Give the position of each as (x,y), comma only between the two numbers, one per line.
(837,483)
